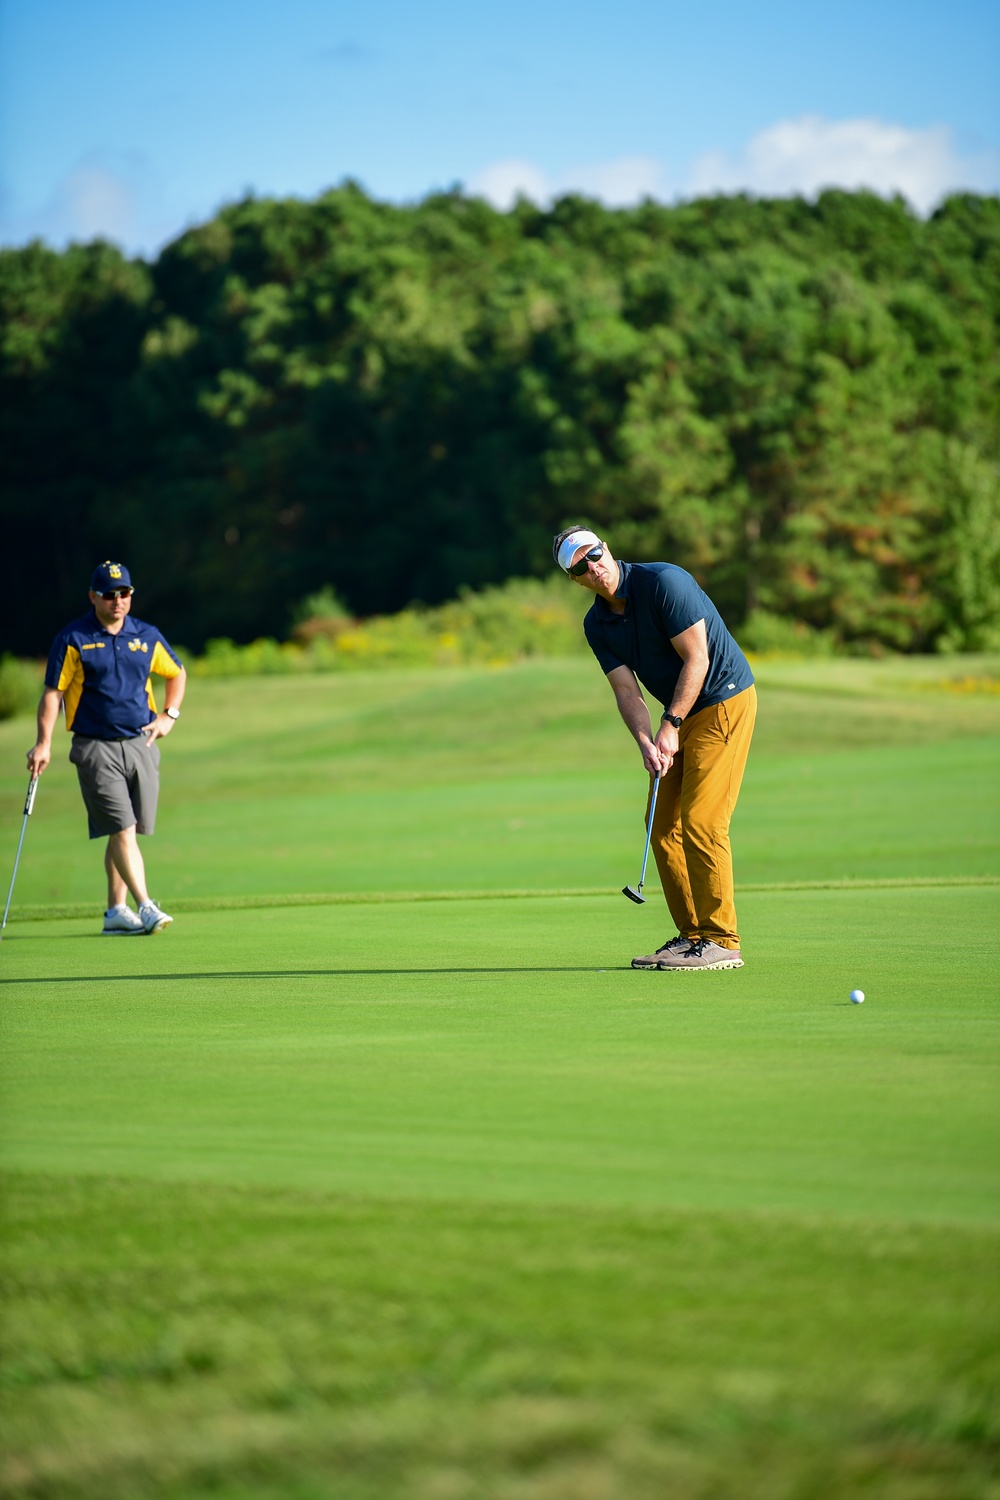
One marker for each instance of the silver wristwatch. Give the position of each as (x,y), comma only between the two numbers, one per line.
(172,713)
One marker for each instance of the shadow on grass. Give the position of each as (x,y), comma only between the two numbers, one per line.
(142,978)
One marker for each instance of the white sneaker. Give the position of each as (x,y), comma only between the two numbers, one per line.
(119,921)
(152,918)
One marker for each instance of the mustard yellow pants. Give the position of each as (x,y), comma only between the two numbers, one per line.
(694,807)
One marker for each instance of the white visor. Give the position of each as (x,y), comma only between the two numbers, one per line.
(573,543)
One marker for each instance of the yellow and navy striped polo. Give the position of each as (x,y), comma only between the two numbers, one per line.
(105,678)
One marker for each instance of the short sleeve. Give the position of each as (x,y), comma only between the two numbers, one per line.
(595,640)
(56,662)
(679,602)
(165,662)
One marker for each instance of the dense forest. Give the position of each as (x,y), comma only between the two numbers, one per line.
(799,401)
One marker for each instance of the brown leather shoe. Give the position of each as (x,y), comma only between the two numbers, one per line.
(657,960)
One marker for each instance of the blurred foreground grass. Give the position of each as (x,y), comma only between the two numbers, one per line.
(200,1342)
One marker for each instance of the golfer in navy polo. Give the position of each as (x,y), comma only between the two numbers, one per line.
(100,669)
(652,623)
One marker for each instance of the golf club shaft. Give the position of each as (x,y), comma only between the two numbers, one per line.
(649,827)
(29,803)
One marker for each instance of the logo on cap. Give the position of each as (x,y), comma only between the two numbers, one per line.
(108,574)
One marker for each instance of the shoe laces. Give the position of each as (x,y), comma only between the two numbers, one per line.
(672,943)
(697,949)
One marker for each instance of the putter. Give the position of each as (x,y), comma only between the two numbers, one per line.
(634,892)
(29,803)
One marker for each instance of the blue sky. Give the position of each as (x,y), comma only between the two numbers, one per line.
(134,120)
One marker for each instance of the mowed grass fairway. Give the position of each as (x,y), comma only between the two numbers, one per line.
(401,1198)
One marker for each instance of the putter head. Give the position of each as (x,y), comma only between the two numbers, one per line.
(634,894)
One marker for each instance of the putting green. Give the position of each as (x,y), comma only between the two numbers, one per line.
(503,1051)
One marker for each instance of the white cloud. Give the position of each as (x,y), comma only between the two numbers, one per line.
(616,183)
(506,181)
(112,196)
(803,156)
(810,153)
(94,200)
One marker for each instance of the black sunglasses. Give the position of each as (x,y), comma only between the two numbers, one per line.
(594,555)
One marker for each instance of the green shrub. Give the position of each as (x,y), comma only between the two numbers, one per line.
(320,614)
(224,658)
(524,617)
(776,635)
(20,685)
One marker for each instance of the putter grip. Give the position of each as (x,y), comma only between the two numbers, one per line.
(29,800)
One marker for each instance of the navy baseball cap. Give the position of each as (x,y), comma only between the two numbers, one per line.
(110,575)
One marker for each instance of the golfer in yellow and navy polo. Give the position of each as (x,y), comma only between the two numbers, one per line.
(100,670)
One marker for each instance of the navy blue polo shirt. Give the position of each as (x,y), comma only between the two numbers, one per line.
(105,679)
(661,601)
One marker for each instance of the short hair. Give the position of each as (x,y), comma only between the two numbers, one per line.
(557,541)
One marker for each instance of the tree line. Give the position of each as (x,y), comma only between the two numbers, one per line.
(796,400)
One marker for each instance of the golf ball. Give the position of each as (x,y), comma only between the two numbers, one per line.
(857,996)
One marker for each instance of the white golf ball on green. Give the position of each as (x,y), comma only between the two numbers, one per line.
(857,997)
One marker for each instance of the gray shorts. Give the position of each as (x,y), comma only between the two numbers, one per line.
(120,782)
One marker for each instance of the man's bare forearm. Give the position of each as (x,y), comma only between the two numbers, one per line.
(689,685)
(48,712)
(635,714)
(173,692)
(173,697)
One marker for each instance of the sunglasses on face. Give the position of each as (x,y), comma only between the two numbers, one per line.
(594,555)
(116,594)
